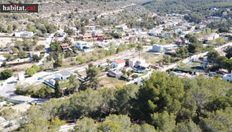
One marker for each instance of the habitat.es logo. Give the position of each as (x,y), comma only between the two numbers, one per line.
(18,8)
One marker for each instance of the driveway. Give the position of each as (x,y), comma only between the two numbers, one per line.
(8,91)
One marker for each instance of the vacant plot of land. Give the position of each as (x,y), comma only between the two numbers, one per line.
(151,58)
(190,66)
(41,42)
(5,41)
(21,67)
(8,41)
(111,82)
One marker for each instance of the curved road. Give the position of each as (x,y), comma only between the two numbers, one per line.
(8,87)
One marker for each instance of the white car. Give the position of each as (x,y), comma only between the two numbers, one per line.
(227,77)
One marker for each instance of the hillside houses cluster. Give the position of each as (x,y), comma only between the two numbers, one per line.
(99,37)
(128,69)
(172,27)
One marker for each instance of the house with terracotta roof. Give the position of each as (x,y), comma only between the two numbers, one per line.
(118,64)
(87,37)
(65,47)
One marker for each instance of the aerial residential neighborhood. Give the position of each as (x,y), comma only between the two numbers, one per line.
(116,65)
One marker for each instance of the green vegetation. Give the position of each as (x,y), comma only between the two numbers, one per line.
(139,48)
(22,48)
(163,103)
(38,91)
(25,45)
(116,35)
(114,123)
(196,10)
(229,52)
(66,87)
(62,88)
(187,6)
(56,54)
(182,52)
(168,59)
(196,45)
(191,67)
(6,74)
(220,61)
(195,48)
(32,70)
(9,113)
(92,77)
(42,27)
(192,38)
(69,31)
(101,53)
(193,17)
(222,26)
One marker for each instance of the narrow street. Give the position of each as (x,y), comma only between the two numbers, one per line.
(9,86)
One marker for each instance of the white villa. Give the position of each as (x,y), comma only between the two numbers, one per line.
(24,34)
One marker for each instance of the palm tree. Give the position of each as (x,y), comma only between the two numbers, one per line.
(92,76)
(58,90)
(74,84)
(139,48)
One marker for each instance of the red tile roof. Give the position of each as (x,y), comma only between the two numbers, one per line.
(119,61)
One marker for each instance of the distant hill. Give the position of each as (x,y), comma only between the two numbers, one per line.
(186,6)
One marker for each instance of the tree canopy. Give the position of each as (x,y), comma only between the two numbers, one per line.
(163,103)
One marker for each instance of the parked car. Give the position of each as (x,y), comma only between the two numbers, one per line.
(114,73)
(212,74)
(125,78)
(227,77)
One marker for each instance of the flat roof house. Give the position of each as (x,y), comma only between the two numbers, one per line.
(2,59)
(60,36)
(140,65)
(24,34)
(63,75)
(155,31)
(84,46)
(122,27)
(157,48)
(164,48)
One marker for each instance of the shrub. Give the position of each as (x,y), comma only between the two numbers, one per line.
(6,74)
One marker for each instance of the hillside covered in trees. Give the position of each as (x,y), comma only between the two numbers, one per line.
(194,10)
(164,103)
(187,6)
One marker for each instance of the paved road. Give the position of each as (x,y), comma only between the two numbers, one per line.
(186,60)
(41,76)
(67,127)
(47,45)
(8,88)
(115,11)
(8,91)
